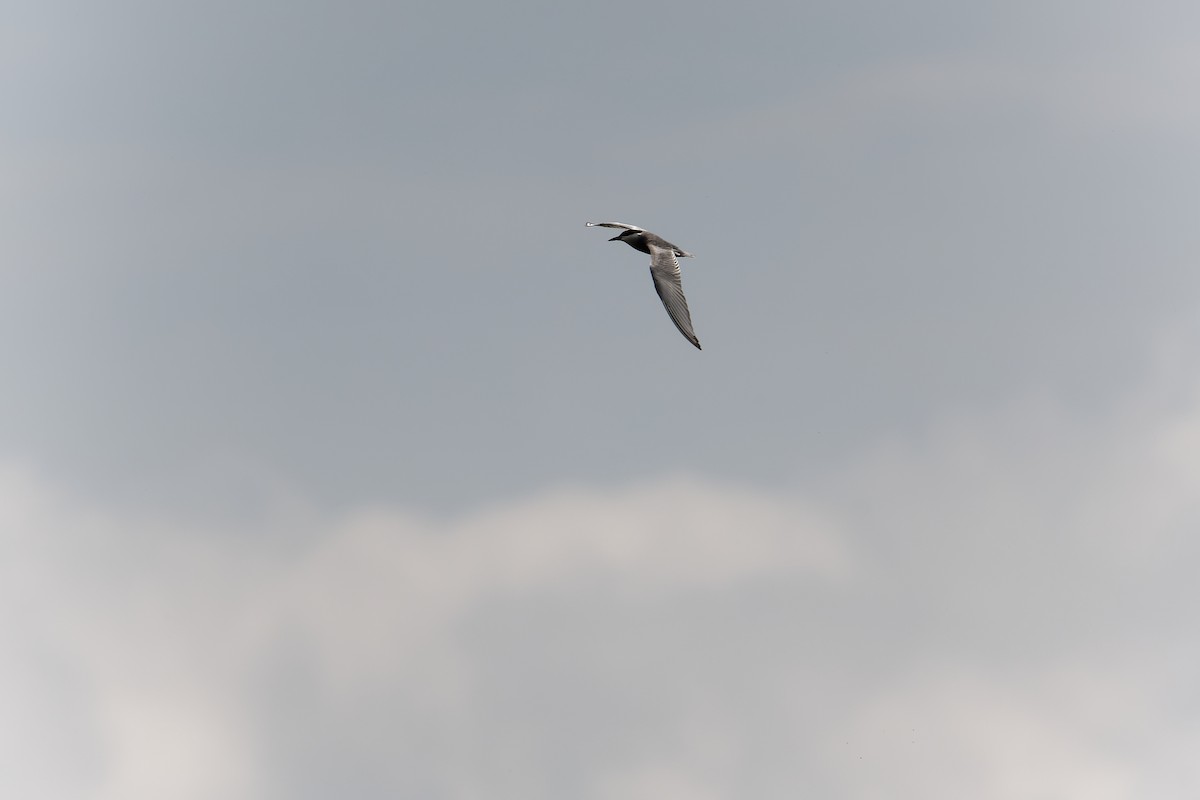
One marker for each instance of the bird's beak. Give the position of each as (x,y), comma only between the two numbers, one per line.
(615,239)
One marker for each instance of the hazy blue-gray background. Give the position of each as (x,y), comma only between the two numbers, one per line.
(338,459)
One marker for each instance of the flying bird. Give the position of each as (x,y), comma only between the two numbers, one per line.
(664,269)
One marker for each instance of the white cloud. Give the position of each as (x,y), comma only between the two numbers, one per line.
(1000,609)
(162,625)
(957,735)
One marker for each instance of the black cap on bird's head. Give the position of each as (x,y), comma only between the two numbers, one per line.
(620,237)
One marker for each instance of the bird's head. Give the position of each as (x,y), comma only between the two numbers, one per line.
(622,236)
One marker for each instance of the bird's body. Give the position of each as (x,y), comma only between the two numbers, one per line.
(664,269)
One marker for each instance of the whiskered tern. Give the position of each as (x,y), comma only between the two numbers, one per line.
(664,269)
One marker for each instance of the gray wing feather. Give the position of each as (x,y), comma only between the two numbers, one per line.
(664,268)
(614,225)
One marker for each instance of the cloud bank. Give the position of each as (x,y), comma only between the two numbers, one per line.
(1000,608)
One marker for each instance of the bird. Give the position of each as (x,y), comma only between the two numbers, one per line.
(664,269)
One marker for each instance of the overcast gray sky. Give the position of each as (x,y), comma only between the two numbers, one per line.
(338,458)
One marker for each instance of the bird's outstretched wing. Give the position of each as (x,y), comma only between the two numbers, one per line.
(664,268)
(615,225)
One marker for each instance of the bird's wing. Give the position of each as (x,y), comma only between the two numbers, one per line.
(615,225)
(664,268)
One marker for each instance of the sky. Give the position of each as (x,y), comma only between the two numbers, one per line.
(338,458)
